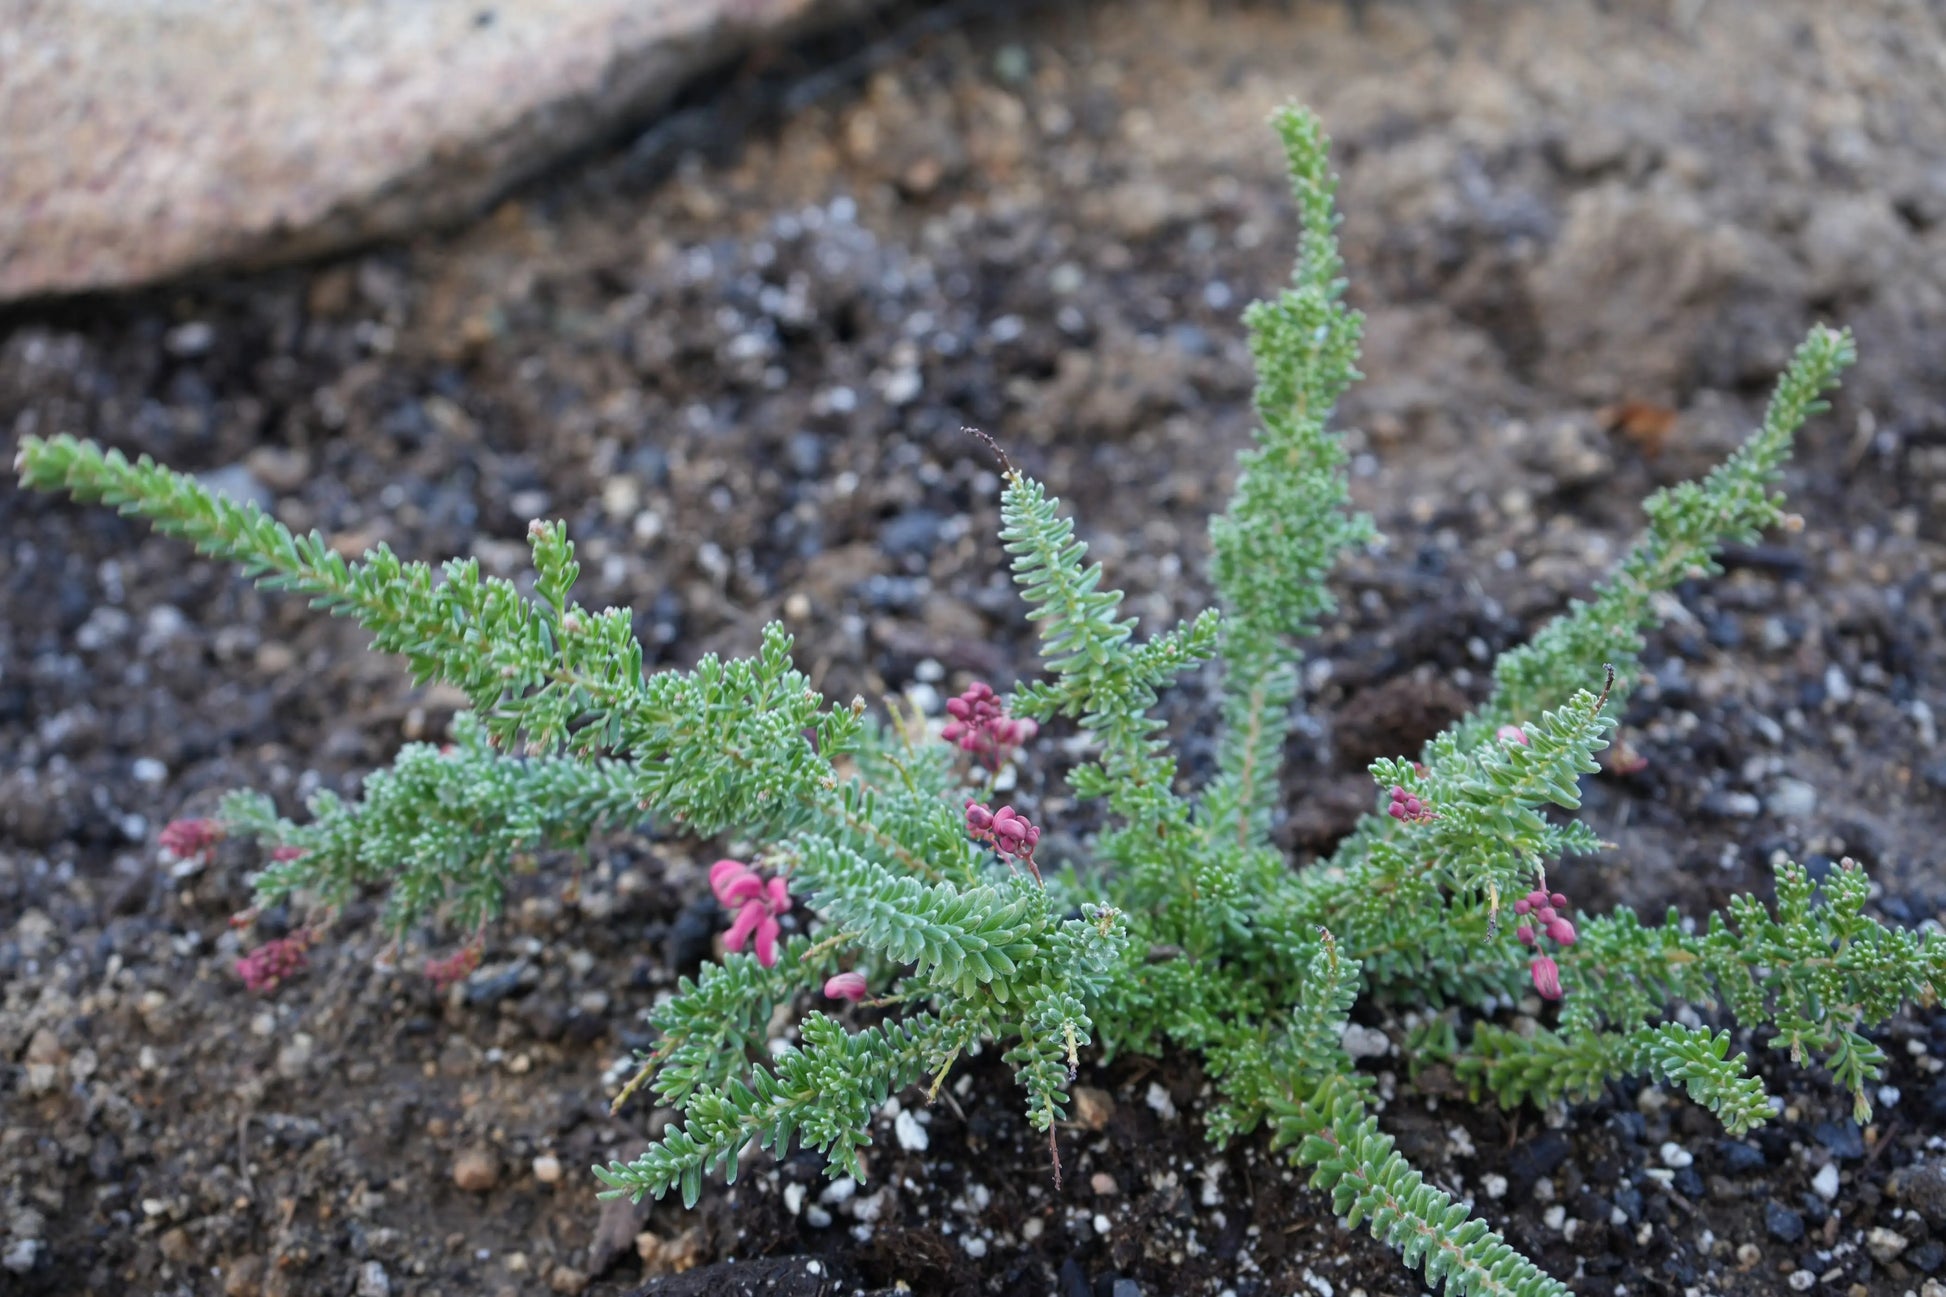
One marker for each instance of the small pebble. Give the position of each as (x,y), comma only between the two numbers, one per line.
(1159,1101)
(1825,1182)
(547,1169)
(1885,1244)
(1785,1225)
(1676,1156)
(911,1135)
(1801,1280)
(373,1281)
(476,1170)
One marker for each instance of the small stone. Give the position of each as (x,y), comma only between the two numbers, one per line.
(476,1170)
(1732,805)
(1842,1138)
(1801,1280)
(175,1246)
(1494,1186)
(1792,799)
(294,1056)
(1740,1158)
(1365,1042)
(1885,1244)
(567,1279)
(1159,1101)
(1825,1182)
(1103,1184)
(243,1277)
(911,1135)
(21,1255)
(547,1169)
(661,1256)
(373,1281)
(1785,1225)
(1922,1186)
(1093,1107)
(1676,1156)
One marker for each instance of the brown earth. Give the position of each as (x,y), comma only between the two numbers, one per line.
(741,377)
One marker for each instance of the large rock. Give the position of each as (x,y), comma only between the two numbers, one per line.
(140,139)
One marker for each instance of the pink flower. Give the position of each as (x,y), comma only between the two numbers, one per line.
(1544,911)
(186,838)
(1547,977)
(1007,831)
(980,725)
(269,964)
(455,968)
(734,882)
(757,904)
(846,986)
(1512,734)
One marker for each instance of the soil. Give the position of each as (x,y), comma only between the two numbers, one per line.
(736,354)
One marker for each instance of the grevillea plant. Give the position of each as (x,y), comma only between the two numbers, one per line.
(928,909)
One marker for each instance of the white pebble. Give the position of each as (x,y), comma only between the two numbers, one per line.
(1494,1186)
(1160,1103)
(1825,1182)
(1801,1280)
(1676,1156)
(911,1135)
(147,770)
(547,1168)
(794,1198)
(975,1245)
(1101,1224)
(1366,1042)
(1555,1217)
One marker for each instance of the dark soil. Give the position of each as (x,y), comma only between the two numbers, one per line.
(742,379)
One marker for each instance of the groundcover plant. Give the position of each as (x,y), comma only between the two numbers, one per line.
(889,881)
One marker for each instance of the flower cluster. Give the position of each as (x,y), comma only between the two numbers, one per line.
(980,725)
(454,968)
(269,964)
(1007,831)
(1547,921)
(757,905)
(185,839)
(1406,807)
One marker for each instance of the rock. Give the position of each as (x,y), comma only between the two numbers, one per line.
(21,1255)
(1852,242)
(243,1277)
(1825,1182)
(1740,1158)
(1792,799)
(1922,1186)
(547,1169)
(476,1170)
(1843,1138)
(153,140)
(1885,1244)
(911,1135)
(567,1279)
(1785,1225)
(1092,1107)
(662,1256)
(373,1281)
(1636,283)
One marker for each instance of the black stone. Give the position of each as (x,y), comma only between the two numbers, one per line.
(1785,1225)
(1843,1138)
(1739,1158)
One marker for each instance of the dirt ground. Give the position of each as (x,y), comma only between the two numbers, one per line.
(735,355)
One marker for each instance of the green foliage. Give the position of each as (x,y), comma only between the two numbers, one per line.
(1188,930)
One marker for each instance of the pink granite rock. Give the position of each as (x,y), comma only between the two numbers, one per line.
(139,140)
